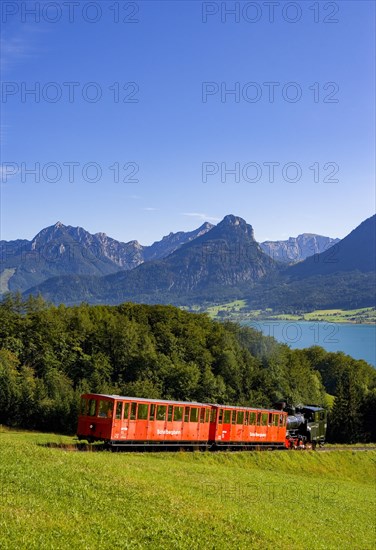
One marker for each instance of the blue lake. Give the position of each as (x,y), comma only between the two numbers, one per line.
(359,341)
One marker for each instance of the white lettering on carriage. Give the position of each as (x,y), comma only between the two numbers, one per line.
(168,432)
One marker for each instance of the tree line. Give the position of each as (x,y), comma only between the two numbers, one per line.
(50,355)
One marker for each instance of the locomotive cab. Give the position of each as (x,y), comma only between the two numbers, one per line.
(316,423)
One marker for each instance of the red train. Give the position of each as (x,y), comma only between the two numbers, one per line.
(137,423)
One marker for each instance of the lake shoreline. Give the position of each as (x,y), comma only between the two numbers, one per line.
(301,320)
(355,339)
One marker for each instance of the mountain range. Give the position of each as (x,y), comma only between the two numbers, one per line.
(62,250)
(212,263)
(66,250)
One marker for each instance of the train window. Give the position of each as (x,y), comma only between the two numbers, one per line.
(105,409)
(252,419)
(233,420)
(142,411)
(270,421)
(186,414)
(264,419)
(194,414)
(152,412)
(246,418)
(102,409)
(322,415)
(213,415)
(133,411)
(161,412)
(220,416)
(227,417)
(240,417)
(169,413)
(207,415)
(126,411)
(178,414)
(275,420)
(92,407)
(119,405)
(83,406)
(202,416)
(258,421)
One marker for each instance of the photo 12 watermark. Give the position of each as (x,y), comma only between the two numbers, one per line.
(271,171)
(271,92)
(271,492)
(292,333)
(270,12)
(67,11)
(70,172)
(231,254)
(69,92)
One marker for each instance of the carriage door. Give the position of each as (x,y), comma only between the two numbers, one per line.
(132,424)
(116,424)
(125,421)
(226,428)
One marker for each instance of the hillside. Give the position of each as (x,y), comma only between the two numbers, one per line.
(225,500)
(50,355)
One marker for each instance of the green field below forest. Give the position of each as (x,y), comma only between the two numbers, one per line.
(237,310)
(61,498)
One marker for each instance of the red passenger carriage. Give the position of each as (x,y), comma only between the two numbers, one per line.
(247,427)
(136,422)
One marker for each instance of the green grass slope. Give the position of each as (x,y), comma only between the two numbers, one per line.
(54,498)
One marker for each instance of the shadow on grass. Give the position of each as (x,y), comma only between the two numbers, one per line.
(82,447)
(100,447)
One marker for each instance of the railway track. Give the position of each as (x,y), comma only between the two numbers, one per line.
(95,448)
(328,450)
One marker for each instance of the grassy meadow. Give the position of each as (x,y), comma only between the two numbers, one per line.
(59,498)
(238,311)
(363,315)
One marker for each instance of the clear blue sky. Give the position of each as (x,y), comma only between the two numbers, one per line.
(170,132)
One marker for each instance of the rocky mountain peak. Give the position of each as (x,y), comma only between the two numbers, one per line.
(230,219)
(205,227)
(231,222)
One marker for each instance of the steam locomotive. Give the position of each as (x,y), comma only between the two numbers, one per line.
(305,426)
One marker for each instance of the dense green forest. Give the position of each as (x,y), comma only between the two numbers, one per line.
(50,355)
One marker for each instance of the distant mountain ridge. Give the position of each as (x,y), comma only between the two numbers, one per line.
(224,257)
(210,264)
(60,250)
(63,250)
(297,249)
(356,252)
(173,241)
